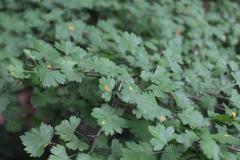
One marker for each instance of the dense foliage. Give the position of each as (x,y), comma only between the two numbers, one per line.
(121,79)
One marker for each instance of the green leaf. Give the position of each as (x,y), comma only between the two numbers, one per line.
(69,73)
(193,118)
(173,152)
(182,100)
(161,81)
(16,69)
(236,76)
(210,147)
(225,138)
(187,138)
(51,78)
(106,85)
(43,50)
(134,151)
(101,65)
(173,55)
(102,141)
(148,108)
(58,153)
(83,156)
(67,47)
(67,128)
(77,144)
(161,136)
(116,146)
(229,155)
(72,29)
(140,131)
(109,119)
(128,42)
(37,139)
(235,98)
(129,92)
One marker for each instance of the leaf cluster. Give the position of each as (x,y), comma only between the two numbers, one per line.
(123,79)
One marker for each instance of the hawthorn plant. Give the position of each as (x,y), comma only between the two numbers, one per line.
(123,79)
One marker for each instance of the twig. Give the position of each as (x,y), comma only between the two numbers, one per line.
(120,86)
(82,135)
(234,149)
(232,85)
(95,140)
(72,155)
(114,99)
(51,144)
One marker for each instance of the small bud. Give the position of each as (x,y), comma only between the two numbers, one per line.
(223,38)
(71,28)
(226,135)
(130,88)
(234,114)
(102,122)
(49,66)
(106,88)
(162,119)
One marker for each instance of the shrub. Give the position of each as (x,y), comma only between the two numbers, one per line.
(124,79)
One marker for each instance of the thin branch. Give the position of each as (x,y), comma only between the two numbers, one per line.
(79,133)
(232,85)
(73,155)
(218,96)
(95,140)
(51,144)
(234,149)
